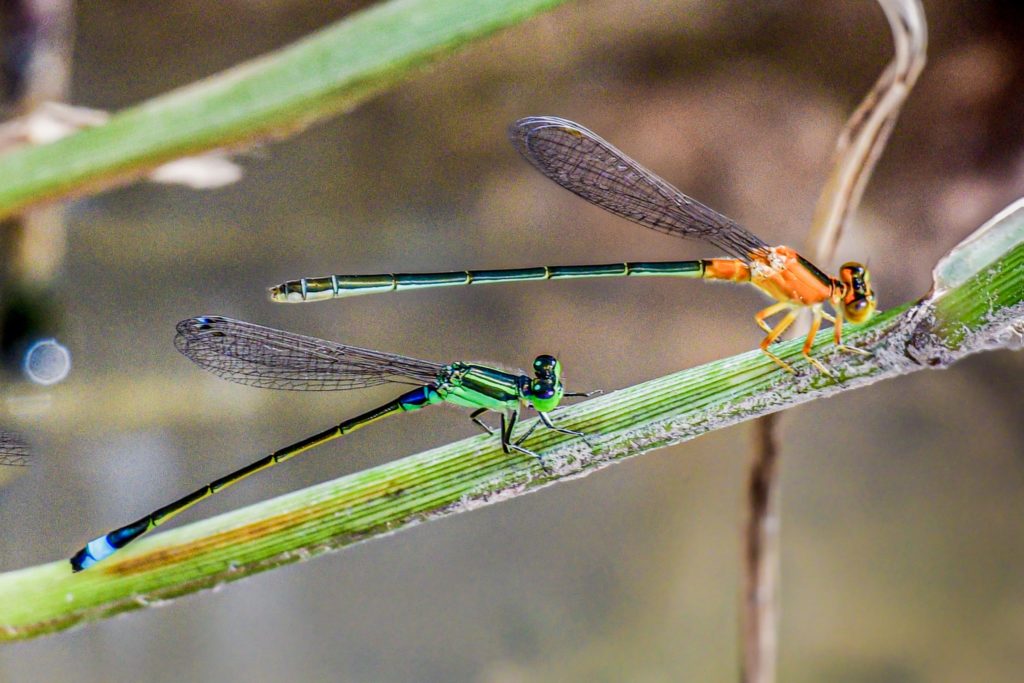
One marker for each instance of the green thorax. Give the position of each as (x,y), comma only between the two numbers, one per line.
(480,386)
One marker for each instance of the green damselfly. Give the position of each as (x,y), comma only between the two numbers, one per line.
(264,357)
(590,167)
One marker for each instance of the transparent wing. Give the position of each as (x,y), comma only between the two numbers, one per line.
(14,450)
(588,166)
(274,359)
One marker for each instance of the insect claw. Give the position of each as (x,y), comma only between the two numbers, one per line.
(778,361)
(821,367)
(526,451)
(587,394)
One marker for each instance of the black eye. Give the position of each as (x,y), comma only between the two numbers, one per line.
(545,364)
(859,305)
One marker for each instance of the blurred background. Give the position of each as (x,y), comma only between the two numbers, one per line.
(902,504)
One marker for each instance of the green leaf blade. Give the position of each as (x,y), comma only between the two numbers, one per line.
(272,96)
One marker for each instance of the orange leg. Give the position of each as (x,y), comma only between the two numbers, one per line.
(774,332)
(761,316)
(815,326)
(837,323)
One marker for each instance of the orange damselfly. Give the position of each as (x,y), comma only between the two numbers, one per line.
(588,166)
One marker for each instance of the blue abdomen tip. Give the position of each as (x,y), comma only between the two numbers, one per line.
(93,552)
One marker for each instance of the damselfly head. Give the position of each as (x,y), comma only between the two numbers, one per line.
(546,388)
(859,300)
(546,366)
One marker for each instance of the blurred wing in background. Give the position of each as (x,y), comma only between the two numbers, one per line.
(14,450)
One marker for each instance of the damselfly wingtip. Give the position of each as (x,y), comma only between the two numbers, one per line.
(523,127)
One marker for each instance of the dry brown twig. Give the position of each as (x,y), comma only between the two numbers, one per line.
(858,149)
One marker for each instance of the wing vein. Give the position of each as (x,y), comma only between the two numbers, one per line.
(264,357)
(593,169)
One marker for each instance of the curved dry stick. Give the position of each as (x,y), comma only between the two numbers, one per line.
(761,556)
(859,146)
(864,137)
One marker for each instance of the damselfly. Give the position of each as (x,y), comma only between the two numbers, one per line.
(263,357)
(593,169)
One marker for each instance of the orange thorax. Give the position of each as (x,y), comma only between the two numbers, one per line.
(785,276)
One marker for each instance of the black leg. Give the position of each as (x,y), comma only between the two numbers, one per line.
(506,439)
(526,436)
(588,394)
(475,417)
(505,431)
(546,419)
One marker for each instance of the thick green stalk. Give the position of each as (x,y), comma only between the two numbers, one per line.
(978,304)
(323,74)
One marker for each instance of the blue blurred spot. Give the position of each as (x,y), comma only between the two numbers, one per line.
(47,362)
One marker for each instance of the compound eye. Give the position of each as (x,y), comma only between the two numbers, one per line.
(854,270)
(542,389)
(544,366)
(859,309)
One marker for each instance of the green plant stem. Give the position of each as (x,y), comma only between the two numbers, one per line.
(325,73)
(983,311)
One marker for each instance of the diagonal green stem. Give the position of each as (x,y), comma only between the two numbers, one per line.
(980,307)
(325,73)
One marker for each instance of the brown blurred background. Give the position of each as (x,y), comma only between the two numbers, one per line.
(902,504)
